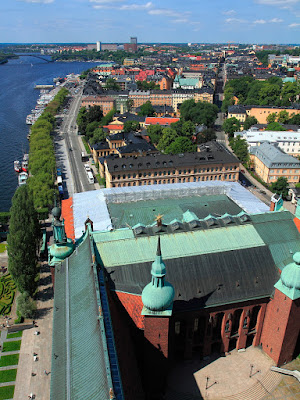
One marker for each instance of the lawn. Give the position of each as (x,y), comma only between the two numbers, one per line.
(11,346)
(12,359)
(8,376)
(7,392)
(3,247)
(14,335)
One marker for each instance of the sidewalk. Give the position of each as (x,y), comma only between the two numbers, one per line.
(41,345)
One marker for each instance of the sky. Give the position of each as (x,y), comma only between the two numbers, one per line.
(175,21)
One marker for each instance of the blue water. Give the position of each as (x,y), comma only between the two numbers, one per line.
(17,97)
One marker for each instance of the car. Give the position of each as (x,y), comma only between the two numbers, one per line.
(262,192)
(87,167)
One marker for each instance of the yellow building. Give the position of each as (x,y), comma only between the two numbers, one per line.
(261,113)
(271,163)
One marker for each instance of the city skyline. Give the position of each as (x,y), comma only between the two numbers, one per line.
(54,21)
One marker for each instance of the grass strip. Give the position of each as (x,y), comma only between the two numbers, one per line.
(14,335)
(7,392)
(3,247)
(8,376)
(11,346)
(11,359)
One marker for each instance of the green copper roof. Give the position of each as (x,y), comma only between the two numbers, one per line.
(158,295)
(289,79)
(289,282)
(282,237)
(79,370)
(181,244)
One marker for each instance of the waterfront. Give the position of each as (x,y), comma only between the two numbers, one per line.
(17,97)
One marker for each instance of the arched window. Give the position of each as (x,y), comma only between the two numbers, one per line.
(253,317)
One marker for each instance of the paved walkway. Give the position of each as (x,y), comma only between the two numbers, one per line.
(224,378)
(41,345)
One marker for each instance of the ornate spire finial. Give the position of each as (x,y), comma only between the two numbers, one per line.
(158,251)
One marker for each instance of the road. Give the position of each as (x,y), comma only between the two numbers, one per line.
(69,131)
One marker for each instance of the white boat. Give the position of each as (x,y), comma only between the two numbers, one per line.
(22,178)
(17,166)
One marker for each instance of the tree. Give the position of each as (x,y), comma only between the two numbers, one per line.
(155,133)
(206,136)
(199,113)
(131,126)
(111,84)
(269,94)
(147,109)
(280,186)
(181,145)
(250,121)
(94,114)
(188,129)
(231,125)
(274,126)
(271,117)
(283,117)
(295,119)
(240,148)
(26,306)
(144,85)
(98,136)
(168,136)
(23,241)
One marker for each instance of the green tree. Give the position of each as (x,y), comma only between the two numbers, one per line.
(147,109)
(199,113)
(269,95)
(111,84)
(168,136)
(94,114)
(231,125)
(271,117)
(155,133)
(26,305)
(274,126)
(283,117)
(240,148)
(181,145)
(295,119)
(144,85)
(188,129)
(131,126)
(206,136)
(23,241)
(280,186)
(250,121)
(289,93)
(90,128)
(82,120)
(98,136)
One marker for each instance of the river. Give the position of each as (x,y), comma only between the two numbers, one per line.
(17,97)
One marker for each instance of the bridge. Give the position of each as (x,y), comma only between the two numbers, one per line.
(36,56)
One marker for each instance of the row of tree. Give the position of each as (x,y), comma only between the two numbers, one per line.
(248,91)
(23,244)
(42,164)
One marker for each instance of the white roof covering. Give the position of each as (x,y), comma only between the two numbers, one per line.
(93,204)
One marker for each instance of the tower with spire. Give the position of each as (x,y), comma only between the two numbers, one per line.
(157,298)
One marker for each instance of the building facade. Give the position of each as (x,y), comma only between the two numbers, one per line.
(212,164)
(270,163)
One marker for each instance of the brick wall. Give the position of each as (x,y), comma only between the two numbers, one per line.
(157,333)
(281,328)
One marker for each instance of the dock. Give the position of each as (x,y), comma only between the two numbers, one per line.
(44,86)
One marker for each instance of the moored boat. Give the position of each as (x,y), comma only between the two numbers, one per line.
(17,166)
(22,178)
(25,163)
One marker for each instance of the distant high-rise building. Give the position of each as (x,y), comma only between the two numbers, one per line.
(132,46)
(133,40)
(98,44)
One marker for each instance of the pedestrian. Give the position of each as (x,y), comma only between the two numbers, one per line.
(45,372)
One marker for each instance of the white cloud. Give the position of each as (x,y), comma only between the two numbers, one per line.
(229,12)
(166,12)
(235,21)
(294,25)
(180,21)
(260,21)
(136,6)
(38,1)
(283,3)
(276,20)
